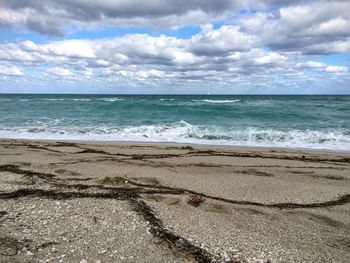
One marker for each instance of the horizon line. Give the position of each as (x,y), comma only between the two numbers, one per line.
(182,94)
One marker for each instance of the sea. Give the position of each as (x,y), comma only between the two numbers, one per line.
(311,122)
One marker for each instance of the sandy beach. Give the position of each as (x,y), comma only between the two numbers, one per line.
(128,202)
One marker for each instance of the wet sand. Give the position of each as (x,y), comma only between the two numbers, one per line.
(127,202)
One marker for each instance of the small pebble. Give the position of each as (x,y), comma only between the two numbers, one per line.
(226,257)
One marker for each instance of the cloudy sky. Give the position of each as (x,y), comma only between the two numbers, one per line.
(175,46)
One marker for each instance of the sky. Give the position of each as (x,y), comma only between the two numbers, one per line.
(175,46)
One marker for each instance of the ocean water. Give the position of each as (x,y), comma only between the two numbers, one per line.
(318,122)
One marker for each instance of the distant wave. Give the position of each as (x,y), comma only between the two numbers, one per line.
(218,101)
(81,99)
(36,99)
(183,132)
(167,99)
(112,99)
(54,99)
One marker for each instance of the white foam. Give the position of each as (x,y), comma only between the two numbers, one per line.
(81,99)
(183,132)
(53,99)
(218,101)
(112,99)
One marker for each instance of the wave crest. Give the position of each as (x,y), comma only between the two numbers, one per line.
(112,99)
(218,101)
(183,132)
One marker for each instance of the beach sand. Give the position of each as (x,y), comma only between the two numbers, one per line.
(128,202)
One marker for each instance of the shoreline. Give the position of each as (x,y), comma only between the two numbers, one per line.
(153,202)
(180,144)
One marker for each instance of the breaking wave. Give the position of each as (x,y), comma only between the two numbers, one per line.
(183,132)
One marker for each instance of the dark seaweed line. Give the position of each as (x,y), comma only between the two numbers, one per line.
(51,194)
(125,160)
(175,190)
(344,199)
(15,169)
(132,195)
(166,190)
(158,230)
(192,152)
(173,241)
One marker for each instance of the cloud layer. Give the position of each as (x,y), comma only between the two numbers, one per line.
(320,27)
(257,43)
(50,16)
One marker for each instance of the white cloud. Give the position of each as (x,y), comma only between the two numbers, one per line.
(336,46)
(68,48)
(222,40)
(270,58)
(60,72)
(311,64)
(322,66)
(10,17)
(336,69)
(10,71)
(337,25)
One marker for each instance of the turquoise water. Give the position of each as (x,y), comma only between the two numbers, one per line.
(321,122)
